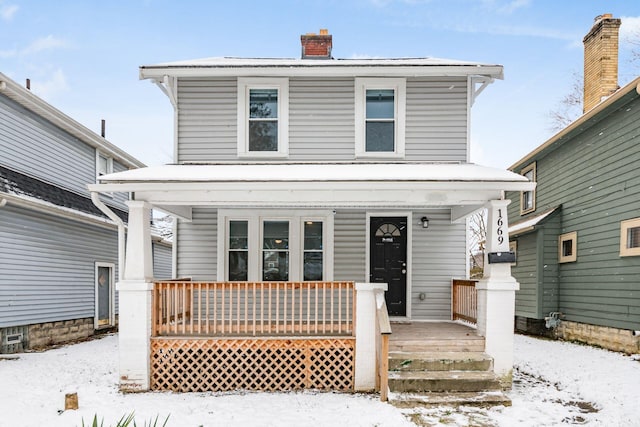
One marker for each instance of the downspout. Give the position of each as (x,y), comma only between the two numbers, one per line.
(95,198)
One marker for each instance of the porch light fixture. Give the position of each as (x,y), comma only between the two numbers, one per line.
(425,222)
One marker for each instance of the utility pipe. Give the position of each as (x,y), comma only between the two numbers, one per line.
(95,198)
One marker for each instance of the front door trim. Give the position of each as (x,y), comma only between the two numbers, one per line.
(409,216)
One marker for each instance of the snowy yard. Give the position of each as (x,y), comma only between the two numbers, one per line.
(555,384)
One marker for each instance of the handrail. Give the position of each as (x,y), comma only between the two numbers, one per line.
(185,308)
(464,301)
(384,330)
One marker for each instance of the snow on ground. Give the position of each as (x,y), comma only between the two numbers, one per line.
(555,384)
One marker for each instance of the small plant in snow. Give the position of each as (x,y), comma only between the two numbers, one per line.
(126,421)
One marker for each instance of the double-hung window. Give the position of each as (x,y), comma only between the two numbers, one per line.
(104,164)
(263,117)
(273,245)
(528,198)
(380,117)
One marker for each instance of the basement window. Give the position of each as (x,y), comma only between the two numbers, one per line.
(630,237)
(568,247)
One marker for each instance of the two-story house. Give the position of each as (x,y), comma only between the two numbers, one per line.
(294,178)
(58,251)
(577,235)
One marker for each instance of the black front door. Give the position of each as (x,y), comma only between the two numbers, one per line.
(388,260)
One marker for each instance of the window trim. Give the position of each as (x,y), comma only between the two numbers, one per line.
(255,220)
(624,233)
(244,85)
(530,167)
(572,236)
(399,85)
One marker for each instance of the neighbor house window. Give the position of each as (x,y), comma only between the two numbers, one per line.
(380,117)
(104,165)
(568,247)
(528,198)
(513,247)
(630,237)
(263,117)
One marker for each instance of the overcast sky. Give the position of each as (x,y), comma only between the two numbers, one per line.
(83,56)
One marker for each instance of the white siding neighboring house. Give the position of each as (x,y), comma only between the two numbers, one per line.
(320,170)
(58,251)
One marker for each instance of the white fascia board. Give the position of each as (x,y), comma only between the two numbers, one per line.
(492,71)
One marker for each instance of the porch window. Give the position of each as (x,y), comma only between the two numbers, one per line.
(630,237)
(275,251)
(567,247)
(263,117)
(238,250)
(313,253)
(528,198)
(380,117)
(275,245)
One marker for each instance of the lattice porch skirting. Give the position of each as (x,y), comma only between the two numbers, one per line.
(205,364)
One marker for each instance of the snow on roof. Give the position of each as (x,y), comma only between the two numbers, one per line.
(530,222)
(295,62)
(316,172)
(219,66)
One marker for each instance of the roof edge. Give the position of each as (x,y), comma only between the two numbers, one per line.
(38,106)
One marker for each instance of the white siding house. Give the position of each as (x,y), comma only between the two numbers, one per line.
(323,170)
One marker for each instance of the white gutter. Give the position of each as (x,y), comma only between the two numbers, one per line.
(95,198)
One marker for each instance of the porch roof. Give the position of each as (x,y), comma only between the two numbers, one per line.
(463,187)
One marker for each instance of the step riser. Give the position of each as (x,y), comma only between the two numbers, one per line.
(442,385)
(438,365)
(416,348)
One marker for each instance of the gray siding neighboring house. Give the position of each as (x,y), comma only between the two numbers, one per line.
(579,245)
(58,252)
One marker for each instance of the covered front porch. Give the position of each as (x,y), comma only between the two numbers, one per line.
(314,316)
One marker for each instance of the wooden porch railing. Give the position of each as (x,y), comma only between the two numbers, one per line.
(384,330)
(464,300)
(183,308)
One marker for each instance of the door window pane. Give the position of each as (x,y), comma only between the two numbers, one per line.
(275,250)
(313,251)
(238,250)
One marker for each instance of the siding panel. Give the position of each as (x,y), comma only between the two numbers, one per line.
(197,245)
(48,266)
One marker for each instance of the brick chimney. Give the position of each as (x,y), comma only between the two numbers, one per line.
(316,46)
(600,60)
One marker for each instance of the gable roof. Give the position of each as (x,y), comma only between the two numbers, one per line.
(622,96)
(228,66)
(28,100)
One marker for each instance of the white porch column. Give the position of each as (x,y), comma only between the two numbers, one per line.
(496,294)
(135,301)
(365,369)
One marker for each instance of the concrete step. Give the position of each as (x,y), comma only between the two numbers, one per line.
(481,399)
(442,381)
(473,344)
(439,361)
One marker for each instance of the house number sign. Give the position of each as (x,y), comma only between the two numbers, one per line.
(499,230)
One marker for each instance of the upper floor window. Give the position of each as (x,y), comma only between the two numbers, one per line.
(528,198)
(104,165)
(380,117)
(263,117)
(630,237)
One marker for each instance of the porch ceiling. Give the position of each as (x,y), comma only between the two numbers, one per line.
(406,185)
